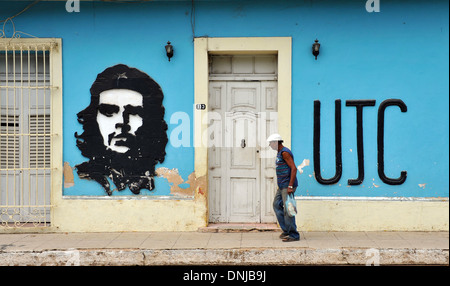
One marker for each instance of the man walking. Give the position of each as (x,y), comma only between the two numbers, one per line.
(287,184)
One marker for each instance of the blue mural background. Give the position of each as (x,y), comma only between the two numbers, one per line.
(401,52)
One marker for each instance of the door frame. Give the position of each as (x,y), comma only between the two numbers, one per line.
(203,47)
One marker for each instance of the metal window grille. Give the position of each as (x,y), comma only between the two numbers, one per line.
(25,134)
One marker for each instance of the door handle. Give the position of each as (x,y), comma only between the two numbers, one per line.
(243,143)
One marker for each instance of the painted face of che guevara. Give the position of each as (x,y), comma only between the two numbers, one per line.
(119,116)
(124,132)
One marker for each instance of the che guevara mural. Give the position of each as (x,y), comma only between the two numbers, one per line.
(124,132)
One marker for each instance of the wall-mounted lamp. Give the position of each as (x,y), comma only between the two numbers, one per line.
(169,50)
(316,48)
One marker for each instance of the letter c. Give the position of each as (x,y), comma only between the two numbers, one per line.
(380,138)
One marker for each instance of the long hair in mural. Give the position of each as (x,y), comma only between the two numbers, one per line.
(124,132)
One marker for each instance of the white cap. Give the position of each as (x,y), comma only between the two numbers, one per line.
(274,137)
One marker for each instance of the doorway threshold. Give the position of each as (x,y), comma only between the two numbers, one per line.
(239,227)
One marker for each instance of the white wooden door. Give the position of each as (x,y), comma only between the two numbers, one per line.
(241,168)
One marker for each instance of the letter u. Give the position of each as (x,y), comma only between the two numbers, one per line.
(337,139)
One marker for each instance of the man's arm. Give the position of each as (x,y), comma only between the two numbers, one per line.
(288,159)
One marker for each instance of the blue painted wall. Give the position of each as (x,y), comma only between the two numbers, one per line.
(401,52)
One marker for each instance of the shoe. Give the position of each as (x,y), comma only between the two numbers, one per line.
(289,239)
(284,235)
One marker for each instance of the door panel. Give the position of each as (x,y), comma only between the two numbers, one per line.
(243,200)
(243,165)
(268,124)
(215,208)
(217,170)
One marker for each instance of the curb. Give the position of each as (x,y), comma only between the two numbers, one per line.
(251,256)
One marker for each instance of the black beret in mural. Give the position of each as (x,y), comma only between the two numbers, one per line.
(124,132)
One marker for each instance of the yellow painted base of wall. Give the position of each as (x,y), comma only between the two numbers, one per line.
(134,213)
(341,215)
(78,215)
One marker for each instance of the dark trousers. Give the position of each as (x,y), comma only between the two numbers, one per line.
(286,222)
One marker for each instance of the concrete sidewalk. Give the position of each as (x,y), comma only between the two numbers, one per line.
(239,248)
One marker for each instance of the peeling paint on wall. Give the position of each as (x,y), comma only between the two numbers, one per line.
(174,178)
(68,175)
(195,185)
(302,165)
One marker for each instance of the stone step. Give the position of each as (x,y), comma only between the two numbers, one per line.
(239,227)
